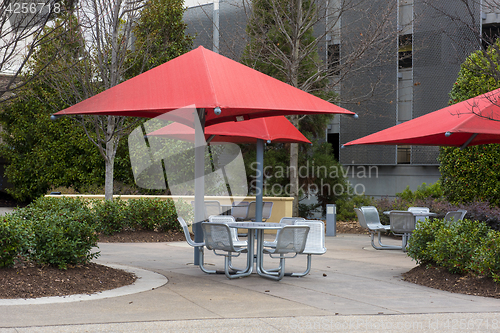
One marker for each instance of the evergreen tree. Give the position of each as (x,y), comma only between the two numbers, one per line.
(473,173)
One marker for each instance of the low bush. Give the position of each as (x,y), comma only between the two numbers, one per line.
(455,244)
(63,238)
(485,260)
(461,247)
(13,240)
(152,214)
(110,216)
(56,231)
(422,238)
(423,192)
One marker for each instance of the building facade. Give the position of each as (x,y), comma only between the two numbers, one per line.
(407,76)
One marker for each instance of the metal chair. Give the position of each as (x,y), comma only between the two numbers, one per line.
(191,242)
(219,239)
(267,208)
(419,210)
(315,243)
(287,221)
(211,207)
(291,239)
(239,210)
(369,219)
(402,223)
(455,216)
(234,233)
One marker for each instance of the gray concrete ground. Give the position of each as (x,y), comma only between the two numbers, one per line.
(351,288)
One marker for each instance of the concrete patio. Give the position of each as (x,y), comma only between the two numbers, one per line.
(352,288)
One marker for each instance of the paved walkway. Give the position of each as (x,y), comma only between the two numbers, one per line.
(352,288)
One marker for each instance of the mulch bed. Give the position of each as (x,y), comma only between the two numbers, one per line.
(442,279)
(25,281)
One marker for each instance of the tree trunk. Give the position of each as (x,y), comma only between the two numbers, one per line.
(109,159)
(108,180)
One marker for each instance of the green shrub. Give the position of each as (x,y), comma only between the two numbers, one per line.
(63,238)
(455,244)
(422,238)
(151,214)
(486,259)
(13,239)
(450,245)
(423,192)
(110,216)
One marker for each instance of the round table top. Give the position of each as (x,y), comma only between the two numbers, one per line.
(388,212)
(256,225)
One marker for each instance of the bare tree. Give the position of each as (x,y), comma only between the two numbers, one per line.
(22,27)
(285,36)
(112,50)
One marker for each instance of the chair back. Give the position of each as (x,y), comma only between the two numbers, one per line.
(372,218)
(225,219)
(217,236)
(185,228)
(402,221)
(212,207)
(291,220)
(315,243)
(251,211)
(361,218)
(463,211)
(419,210)
(292,239)
(267,209)
(239,210)
(454,216)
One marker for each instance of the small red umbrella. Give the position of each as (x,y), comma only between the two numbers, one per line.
(274,129)
(475,121)
(270,129)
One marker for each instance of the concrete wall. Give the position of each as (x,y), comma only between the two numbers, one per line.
(282,206)
(382,181)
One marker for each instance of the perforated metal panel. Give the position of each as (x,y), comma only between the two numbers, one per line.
(370,85)
(440,45)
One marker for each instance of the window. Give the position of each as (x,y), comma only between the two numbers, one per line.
(490,33)
(405,51)
(404,154)
(334,58)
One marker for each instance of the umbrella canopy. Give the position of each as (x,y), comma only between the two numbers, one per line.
(275,129)
(207,80)
(462,124)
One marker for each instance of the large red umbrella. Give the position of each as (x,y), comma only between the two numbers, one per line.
(207,80)
(475,121)
(274,129)
(225,89)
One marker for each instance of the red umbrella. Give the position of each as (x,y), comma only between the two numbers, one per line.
(275,129)
(227,90)
(207,80)
(475,121)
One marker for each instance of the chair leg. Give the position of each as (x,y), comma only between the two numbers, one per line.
(202,266)
(382,246)
(308,269)
(233,275)
(275,276)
